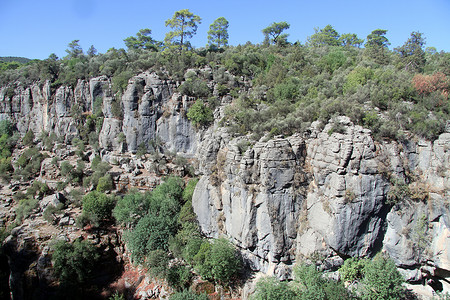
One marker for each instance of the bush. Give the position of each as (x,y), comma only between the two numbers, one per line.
(151,233)
(382,280)
(312,285)
(218,261)
(73,263)
(352,269)
(50,212)
(200,114)
(25,208)
(105,183)
(131,208)
(188,295)
(195,88)
(29,163)
(100,170)
(99,205)
(157,263)
(179,276)
(39,189)
(28,139)
(271,288)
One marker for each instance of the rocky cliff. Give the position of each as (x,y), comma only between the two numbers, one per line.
(279,199)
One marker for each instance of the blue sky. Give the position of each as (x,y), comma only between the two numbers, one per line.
(35,29)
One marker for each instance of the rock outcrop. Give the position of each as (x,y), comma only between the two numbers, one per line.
(285,199)
(279,199)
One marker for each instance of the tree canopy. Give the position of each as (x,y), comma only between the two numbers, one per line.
(274,32)
(376,46)
(326,36)
(411,53)
(184,24)
(142,40)
(218,33)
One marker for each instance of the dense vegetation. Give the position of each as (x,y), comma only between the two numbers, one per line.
(277,87)
(392,92)
(367,279)
(162,227)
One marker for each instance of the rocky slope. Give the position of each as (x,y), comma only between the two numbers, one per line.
(280,199)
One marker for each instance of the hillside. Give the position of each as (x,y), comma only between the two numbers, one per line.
(174,167)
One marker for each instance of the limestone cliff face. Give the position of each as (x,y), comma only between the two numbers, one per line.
(148,109)
(282,198)
(330,193)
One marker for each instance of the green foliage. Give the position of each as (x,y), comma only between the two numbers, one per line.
(350,40)
(412,54)
(326,36)
(117,296)
(268,288)
(153,231)
(188,295)
(131,208)
(398,192)
(51,211)
(25,208)
(179,276)
(98,204)
(218,260)
(352,269)
(73,263)
(218,33)
(7,143)
(28,139)
(189,189)
(356,78)
(382,280)
(200,114)
(195,87)
(74,50)
(184,25)
(100,169)
(377,46)
(38,189)
(29,163)
(273,33)
(143,40)
(105,183)
(157,263)
(310,284)
(6,127)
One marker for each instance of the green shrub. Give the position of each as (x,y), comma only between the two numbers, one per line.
(311,284)
(195,88)
(188,295)
(129,209)
(218,260)
(153,231)
(28,139)
(29,163)
(157,263)
(382,280)
(268,288)
(25,208)
(352,269)
(39,189)
(100,170)
(51,211)
(105,183)
(98,204)
(74,263)
(179,276)
(200,114)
